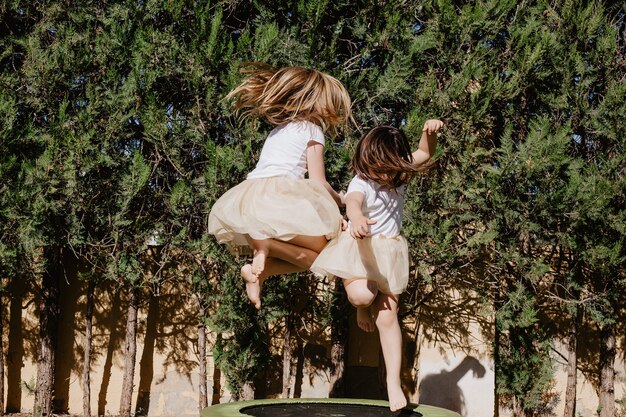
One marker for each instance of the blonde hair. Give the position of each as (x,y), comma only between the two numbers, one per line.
(292,93)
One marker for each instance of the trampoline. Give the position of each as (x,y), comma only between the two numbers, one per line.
(321,407)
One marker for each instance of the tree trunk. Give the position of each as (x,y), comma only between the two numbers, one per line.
(606,396)
(496,354)
(414,355)
(572,367)
(287,359)
(518,411)
(339,335)
(130,353)
(87,347)
(298,373)
(337,362)
(203,401)
(1,358)
(217,378)
(48,322)
(146,364)
(202,398)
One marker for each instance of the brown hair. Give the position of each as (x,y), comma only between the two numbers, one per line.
(292,93)
(383,155)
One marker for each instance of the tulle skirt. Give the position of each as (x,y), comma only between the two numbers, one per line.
(377,258)
(275,207)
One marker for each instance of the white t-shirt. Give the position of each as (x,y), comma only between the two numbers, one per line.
(284,150)
(380,204)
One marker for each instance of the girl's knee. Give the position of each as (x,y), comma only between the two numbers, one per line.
(386,311)
(361,299)
(386,319)
(361,293)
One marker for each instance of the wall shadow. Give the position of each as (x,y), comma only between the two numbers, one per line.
(174,330)
(146,364)
(172,335)
(15,348)
(166,335)
(442,390)
(108,342)
(69,350)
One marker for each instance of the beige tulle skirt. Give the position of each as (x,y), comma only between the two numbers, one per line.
(275,207)
(378,258)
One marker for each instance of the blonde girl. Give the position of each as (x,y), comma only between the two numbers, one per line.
(281,218)
(371,256)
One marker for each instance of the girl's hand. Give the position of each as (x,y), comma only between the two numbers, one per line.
(432,126)
(361,227)
(342,196)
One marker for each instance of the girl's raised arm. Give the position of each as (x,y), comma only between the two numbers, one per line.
(428,142)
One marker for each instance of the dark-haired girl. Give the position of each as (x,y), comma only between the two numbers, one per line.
(371,256)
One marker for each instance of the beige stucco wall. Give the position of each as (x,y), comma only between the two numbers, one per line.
(171,393)
(170,388)
(166,373)
(472,395)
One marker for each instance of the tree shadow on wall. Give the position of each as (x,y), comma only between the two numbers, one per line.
(442,390)
(108,336)
(23,342)
(166,326)
(169,330)
(69,343)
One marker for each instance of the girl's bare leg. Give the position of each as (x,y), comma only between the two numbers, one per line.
(385,309)
(302,254)
(315,243)
(263,247)
(286,258)
(273,266)
(361,293)
(260,249)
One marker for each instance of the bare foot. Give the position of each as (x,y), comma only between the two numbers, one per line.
(364,319)
(253,285)
(397,400)
(258,261)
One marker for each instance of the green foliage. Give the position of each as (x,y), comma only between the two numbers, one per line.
(115,131)
(526,183)
(242,350)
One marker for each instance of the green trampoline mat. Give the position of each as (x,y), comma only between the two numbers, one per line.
(320,407)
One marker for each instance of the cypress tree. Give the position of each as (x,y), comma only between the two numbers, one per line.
(116,142)
(503,199)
